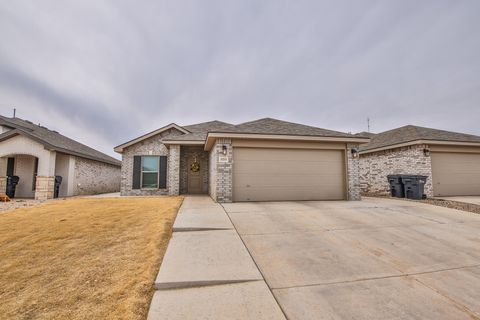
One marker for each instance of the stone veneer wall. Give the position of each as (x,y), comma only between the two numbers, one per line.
(221,171)
(93,177)
(152,146)
(44,188)
(374,168)
(353,174)
(3,185)
(203,160)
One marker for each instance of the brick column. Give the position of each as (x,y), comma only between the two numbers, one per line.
(173,174)
(353,173)
(224,174)
(3,185)
(44,188)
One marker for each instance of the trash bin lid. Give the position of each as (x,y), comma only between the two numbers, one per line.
(13,179)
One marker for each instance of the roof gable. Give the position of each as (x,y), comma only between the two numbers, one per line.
(121,147)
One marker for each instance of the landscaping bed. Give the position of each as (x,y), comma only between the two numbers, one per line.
(464,206)
(83,258)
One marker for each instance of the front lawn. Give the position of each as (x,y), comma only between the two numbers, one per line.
(83,258)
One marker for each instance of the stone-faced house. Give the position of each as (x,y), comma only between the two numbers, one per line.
(36,155)
(261,160)
(450,160)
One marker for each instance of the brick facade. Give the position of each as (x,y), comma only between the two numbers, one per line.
(94,177)
(218,174)
(374,168)
(353,173)
(173,170)
(152,146)
(203,160)
(221,171)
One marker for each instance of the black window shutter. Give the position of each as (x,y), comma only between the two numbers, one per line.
(163,172)
(137,171)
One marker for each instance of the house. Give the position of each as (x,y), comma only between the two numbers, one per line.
(36,155)
(261,160)
(450,160)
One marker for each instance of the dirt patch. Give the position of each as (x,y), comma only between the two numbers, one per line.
(83,258)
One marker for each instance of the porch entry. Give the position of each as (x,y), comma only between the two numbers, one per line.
(194,175)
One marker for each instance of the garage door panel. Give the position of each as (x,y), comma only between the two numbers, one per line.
(287,167)
(281,180)
(288,154)
(282,193)
(288,174)
(455,174)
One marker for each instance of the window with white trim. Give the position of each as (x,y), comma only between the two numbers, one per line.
(150,172)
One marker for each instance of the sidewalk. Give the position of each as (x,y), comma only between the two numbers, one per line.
(207,273)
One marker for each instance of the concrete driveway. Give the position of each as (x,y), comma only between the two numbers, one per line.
(374,259)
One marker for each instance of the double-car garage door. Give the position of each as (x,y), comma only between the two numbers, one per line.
(456,174)
(269,174)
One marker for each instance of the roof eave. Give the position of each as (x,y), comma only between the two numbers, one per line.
(120,148)
(211,136)
(184,142)
(421,141)
(9,134)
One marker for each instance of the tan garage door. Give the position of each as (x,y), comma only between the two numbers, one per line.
(456,174)
(261,174)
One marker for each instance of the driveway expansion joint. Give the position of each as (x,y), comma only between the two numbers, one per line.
(403,275)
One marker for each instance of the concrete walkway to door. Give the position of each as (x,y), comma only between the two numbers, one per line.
(207,273)
(374,259)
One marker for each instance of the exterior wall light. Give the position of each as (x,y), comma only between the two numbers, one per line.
(224,150)
(426,152)
(354,152)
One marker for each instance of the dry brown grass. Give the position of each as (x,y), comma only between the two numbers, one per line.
(83,258)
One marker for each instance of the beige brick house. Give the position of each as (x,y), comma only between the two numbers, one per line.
(36,155)
(451,160)
(261,160)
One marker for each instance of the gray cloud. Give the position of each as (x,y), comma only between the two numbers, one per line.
(104,72)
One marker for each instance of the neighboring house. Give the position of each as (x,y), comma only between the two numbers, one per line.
(450,160)
(37,154)
(261,160)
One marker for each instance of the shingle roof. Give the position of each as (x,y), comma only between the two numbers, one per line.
(365,134)
(280,127)
(207,126)
(55,140)
(198,131)
(412,133)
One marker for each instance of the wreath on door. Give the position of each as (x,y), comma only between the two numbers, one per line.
(195,167)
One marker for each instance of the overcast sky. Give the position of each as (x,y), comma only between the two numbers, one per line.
(103,72)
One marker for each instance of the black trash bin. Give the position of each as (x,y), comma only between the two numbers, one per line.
(58,182)
(414,186)
(12,182)
(396,186)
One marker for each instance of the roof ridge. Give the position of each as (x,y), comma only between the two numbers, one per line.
(58,141)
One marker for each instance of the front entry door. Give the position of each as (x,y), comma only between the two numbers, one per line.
(194,178)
